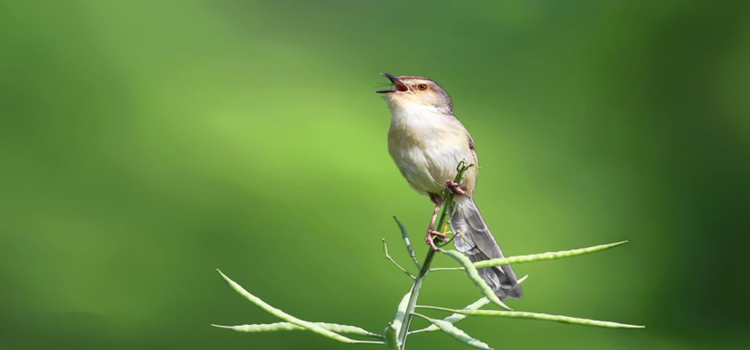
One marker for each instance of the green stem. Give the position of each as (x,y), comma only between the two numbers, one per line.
(442,227)
(413,298)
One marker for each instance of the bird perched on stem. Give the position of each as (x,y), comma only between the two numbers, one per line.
(427,142)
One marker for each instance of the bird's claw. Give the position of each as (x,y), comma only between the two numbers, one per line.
(430,238)
(455,187)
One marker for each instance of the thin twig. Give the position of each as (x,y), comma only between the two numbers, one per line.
(446,269)
(409,247)
(388,256)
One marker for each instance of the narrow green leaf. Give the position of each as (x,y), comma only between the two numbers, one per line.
(545,256)
(455,332)
(257,328)
(538,316)
(473,274)
(391,337)
(286,326)
(347,329)
(398,319)
(407,241)
(394,327)
(473,306)
(282,315)
(455,318)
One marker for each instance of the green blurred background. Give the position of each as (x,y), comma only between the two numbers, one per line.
(146,143)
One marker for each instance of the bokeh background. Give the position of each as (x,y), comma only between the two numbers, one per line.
(145,143)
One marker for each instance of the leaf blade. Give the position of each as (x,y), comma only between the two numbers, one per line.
(474,276)
(539,316)
(283,315)
(407,242)
(391,337)
(286,326)
(266,327)
(394,327)
(455,332)
(546,256)
(456,317)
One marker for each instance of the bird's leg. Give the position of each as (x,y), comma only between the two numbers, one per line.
(455,187)
(431,232)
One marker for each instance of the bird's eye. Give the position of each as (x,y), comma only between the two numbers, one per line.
(422,86)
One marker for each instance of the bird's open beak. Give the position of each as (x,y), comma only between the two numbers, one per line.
(398,86)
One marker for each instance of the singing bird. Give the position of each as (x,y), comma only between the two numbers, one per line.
(427,143)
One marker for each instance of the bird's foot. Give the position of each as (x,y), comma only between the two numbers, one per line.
(455,187)
(430,239)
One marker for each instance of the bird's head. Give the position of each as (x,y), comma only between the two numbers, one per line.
(414,91)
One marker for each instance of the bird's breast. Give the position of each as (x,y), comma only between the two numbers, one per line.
(427,146)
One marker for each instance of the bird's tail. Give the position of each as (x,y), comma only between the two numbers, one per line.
(474,239)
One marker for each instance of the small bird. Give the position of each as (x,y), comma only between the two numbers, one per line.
(427,143)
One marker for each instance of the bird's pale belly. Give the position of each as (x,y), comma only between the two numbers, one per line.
(428,166)
(427,147)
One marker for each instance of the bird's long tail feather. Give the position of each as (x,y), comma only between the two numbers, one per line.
(474,239)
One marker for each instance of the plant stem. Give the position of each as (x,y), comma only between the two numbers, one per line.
(442,227)
(413,298)
(389,258)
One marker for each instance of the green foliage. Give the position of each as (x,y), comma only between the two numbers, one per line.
(394,327)
(397,330)
(287,326)
(454,332)
(545,256)
(473,274)
(326,330)
(537,316)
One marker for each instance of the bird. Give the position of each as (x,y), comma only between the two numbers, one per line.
(427,142)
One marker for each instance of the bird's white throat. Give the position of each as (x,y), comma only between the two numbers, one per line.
(415,117)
